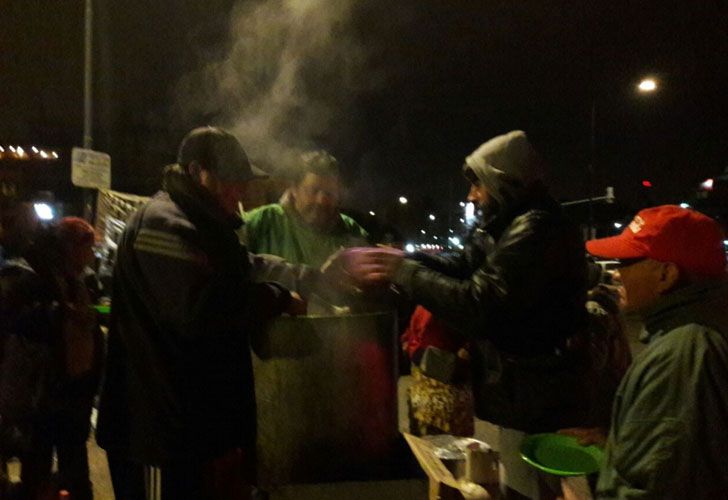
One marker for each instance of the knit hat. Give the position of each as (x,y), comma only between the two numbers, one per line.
(668,233)
(76,231)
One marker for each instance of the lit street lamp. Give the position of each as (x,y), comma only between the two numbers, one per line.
(647,85)
(403,200)
(44,211)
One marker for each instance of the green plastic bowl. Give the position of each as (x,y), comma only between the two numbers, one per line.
(561,455)
(102,309)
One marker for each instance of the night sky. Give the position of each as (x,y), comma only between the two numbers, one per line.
(432,80)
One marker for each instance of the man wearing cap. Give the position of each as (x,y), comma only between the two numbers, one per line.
(667,437)
(177,411)
(518,295)
(306,227)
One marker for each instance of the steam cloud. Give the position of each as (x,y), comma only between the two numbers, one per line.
(291,70)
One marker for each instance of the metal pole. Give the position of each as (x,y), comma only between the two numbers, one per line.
(88,194)
(608,197)
(592,156)
(88,76)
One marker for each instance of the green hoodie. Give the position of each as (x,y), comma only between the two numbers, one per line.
(668,437)
(277,230)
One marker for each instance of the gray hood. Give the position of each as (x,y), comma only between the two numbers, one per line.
(508,166)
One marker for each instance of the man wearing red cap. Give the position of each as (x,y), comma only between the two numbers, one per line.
(672,266)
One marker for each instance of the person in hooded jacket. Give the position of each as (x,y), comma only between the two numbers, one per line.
(518,298)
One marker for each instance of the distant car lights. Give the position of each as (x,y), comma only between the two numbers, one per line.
(11,152)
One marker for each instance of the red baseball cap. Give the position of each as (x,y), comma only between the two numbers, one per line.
(668,233)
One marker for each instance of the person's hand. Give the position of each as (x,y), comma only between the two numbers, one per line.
(575,488)
(372,266)
(297,306)
(334,274)
(81,316)
(587,435)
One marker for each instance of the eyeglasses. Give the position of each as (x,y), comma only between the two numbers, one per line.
(629,262)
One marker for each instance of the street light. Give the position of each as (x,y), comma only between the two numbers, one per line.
(403,200)
(44,211)
(431,217)
(647,85)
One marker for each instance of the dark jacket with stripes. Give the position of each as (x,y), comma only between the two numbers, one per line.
(179,381)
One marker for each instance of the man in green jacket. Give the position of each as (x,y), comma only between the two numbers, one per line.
(306,227)
(667,437)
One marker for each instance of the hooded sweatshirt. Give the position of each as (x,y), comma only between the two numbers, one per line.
(277,229)
(521,300)
(508,167)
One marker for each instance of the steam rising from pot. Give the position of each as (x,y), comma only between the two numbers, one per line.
(289,76)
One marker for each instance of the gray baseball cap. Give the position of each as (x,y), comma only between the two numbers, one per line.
(218,151)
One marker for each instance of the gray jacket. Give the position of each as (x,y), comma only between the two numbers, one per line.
(668,436)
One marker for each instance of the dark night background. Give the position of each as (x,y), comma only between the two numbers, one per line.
(441,78)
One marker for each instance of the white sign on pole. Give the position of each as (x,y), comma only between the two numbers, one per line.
(90,169)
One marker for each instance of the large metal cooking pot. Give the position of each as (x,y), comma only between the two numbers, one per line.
(326,389)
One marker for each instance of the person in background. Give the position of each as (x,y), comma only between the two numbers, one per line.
(18,226)
(518,301)
(177,410)
(665,439)
(46,303)
(306,227)
(605,343)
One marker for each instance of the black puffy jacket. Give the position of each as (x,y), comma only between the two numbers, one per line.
(526,294)
(518,298)
(518,305)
